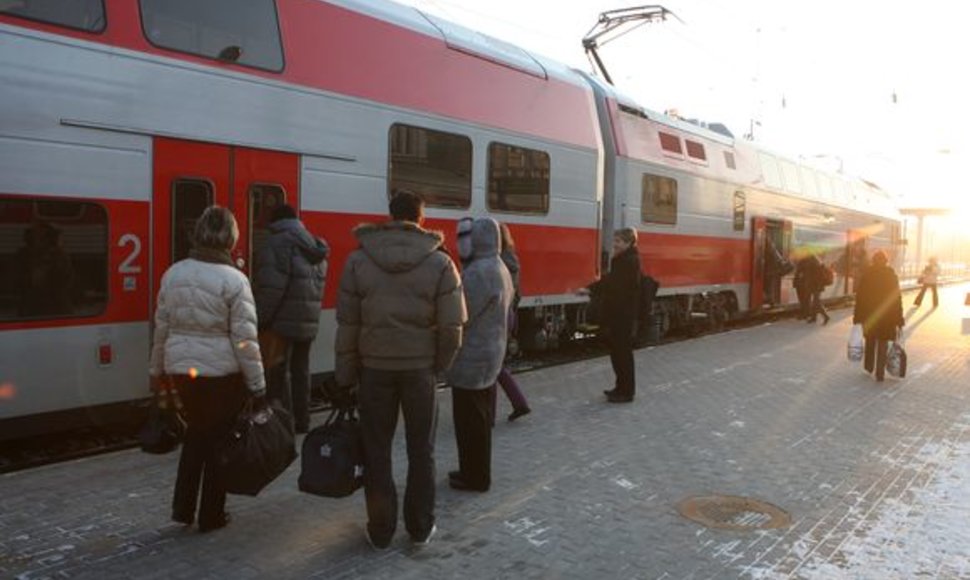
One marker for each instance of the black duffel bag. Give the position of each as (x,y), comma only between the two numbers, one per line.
(164,429)
(333,456)
(259,448)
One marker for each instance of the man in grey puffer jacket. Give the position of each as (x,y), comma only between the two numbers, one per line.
(488,294)
(399,322)
(288,285)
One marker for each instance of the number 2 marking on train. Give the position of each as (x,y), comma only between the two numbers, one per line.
(127,266)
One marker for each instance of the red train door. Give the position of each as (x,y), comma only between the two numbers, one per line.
(190,176)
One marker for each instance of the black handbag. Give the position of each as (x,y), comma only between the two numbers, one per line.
(164,429)
(333,456)
(258,449)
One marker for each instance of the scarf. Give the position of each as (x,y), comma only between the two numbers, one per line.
(211,255)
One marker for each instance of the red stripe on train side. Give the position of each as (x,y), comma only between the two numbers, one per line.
(335,49)
(555,260)
(128,268)
(679,260)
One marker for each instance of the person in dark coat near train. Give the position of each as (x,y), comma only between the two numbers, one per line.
(879,309)
(619,292)
(814,282)
(288,286)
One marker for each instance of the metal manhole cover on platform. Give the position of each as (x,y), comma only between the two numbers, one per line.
(731,512)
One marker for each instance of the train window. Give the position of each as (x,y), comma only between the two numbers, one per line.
(263,200)
(729,160)
(658,201)
(695,150)
(190,197)
(245,33)
(86,15)
(671,143)
(434,164)
(518,179)
(53,258)
(740,201)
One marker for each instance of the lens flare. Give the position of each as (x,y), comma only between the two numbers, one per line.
(7,391)
(193,372)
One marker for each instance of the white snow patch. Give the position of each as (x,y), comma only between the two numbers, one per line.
(924,536)
(738,424)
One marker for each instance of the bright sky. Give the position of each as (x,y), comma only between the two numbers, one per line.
(818,76)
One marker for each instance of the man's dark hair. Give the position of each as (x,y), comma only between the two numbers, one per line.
(283,212)
(406,206)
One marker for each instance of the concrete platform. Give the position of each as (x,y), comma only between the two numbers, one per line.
(875,478)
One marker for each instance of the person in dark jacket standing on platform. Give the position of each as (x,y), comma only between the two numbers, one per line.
(488,294)
(814,283)
(400,313)
(879,309)
(801,288)
(205,344)
(619,292)
(289,279)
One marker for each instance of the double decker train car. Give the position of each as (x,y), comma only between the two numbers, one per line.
(121,120)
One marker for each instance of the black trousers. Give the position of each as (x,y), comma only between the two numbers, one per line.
(922,291)
(817,307)
(382,395)
(804,301)
(474,416)
(211,405)
(621,357)
(294,395)
(875,356)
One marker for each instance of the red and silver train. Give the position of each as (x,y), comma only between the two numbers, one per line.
(121,120)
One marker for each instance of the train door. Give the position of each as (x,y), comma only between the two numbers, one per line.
(190,176)
(856,257)
(770,240)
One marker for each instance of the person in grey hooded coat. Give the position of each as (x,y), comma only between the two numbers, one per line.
(488,296)
(289,281)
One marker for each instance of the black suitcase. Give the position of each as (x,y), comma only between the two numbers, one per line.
(333,456)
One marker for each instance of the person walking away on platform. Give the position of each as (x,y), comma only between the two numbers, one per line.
(801,289)
(879,308)
(929,279)
(289,280)
(400,312)
(205,344)
(620,290)
(816,279)
(488,294)
(520,405)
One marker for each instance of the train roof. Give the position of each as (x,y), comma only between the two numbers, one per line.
(463,39)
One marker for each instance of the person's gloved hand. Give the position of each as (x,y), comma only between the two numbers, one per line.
(344,396)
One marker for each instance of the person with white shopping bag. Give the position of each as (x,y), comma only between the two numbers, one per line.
(879,309)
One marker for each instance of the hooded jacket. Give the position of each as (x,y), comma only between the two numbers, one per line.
(205,324)
(288,284)
(488,294)
(400,305)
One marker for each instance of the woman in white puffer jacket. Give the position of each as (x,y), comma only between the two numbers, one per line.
(205,343)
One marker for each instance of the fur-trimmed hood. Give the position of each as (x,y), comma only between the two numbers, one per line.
(398,246)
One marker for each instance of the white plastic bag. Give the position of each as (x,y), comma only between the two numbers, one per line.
(856,345)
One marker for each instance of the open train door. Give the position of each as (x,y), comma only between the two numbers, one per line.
(856,257)
(770,243)
(759,235)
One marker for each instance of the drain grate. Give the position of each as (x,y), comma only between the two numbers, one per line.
(730,512)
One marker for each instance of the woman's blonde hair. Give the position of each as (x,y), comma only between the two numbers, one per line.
(216,229)
(628,235)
